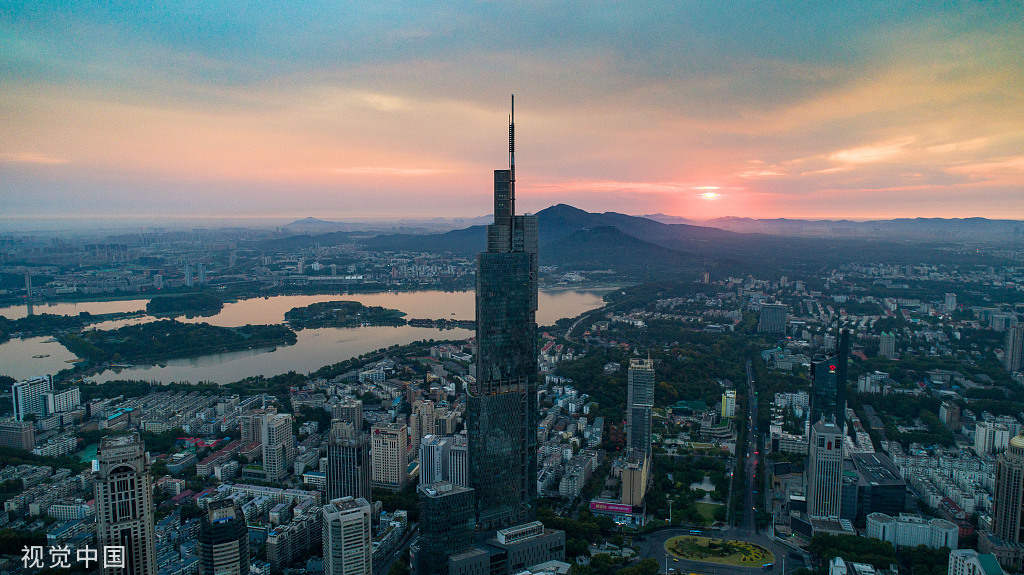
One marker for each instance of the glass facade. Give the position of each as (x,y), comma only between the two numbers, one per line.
(446,526)
(502,402)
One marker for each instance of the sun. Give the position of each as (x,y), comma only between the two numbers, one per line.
(709,195)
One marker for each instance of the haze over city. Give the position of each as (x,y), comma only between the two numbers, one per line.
(215,109)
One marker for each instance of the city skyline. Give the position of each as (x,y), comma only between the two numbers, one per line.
(698,111)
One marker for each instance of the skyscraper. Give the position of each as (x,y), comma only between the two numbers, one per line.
(828,385)
(224,539)
(639,404)
(278,445)
(502,402)
(29,396)
(124,503)
(887,345)
(434,455)
(390,456)
(348,462)
(347,537)
(1013,354)
(1008,500)
(446,526)
(825,471)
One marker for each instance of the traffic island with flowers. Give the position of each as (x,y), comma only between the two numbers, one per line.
(739,553)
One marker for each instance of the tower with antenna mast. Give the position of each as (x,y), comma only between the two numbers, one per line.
(502,402)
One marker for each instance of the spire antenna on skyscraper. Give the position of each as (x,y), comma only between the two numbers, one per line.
(512,154)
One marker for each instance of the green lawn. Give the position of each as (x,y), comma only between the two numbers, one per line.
(707,510)
(738,553)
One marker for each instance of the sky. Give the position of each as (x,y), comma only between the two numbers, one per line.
(344,110)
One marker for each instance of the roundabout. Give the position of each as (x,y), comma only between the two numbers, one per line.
(721,551)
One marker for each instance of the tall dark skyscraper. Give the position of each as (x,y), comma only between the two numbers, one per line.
(224,540)
(828,385)
(348,461)
(502,406)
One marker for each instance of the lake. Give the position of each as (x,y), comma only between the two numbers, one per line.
(315,347)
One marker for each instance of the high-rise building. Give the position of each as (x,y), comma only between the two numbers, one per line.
(828,385)
(825,471)
(350,410)
(278,445)
(390,456)
(224,539)
(348,462)
(950,303)
(887,345)
(635,478)
(348,537)
(772,318)
(29,396)
(421,422)
(188,275)
(62,401)
(201,268)
(502,402)
(1013,354)
(17,434)
(990,437)
(446,526)
(123,489)
(729,404)
(1008,500)
(639,404)
(434,455)
(458,460)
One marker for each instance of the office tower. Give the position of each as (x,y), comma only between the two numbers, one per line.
(434,455)
(1008,500)
(502,402)
(28,293)
(887,345)
(348,462)
(1013,354)
(772,318)
(729,404)
(828,385)
(446,526)
(390,456)
(29,396)
(639,404)
(458,461)
(17,434)
(825,471)
(224,539)
(950,303)
(278,445)
(347,537)
(124,503)
(421,422)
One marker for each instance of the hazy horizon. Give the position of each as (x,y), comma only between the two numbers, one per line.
(839,111)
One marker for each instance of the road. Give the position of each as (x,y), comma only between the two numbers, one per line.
(749,521)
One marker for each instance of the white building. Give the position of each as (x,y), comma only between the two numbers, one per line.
(29,396)
(729,404)
(912,530)
(348,537)
(390,460)
(970,562)
(824,476)
(990,437)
